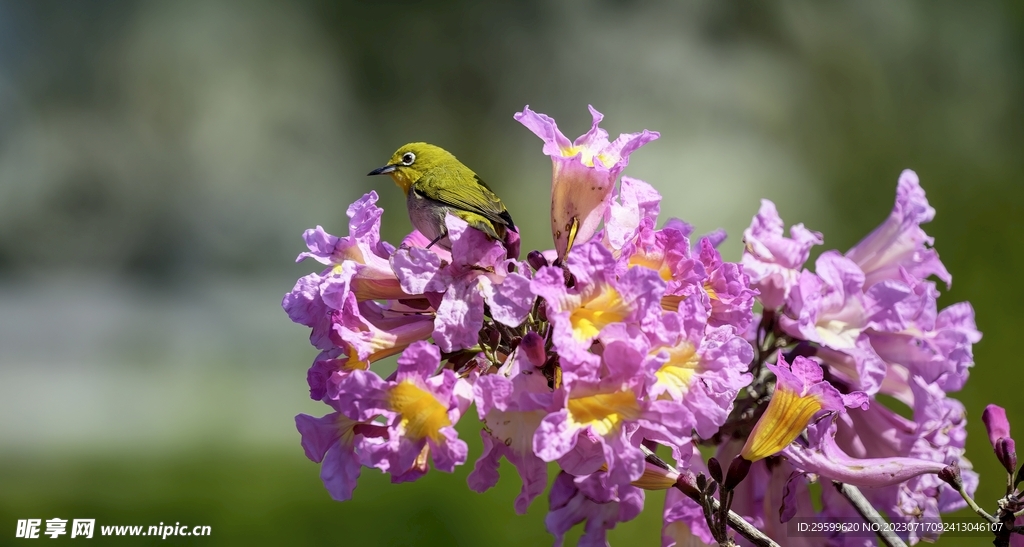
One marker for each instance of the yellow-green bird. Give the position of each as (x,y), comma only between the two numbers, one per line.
(436,184)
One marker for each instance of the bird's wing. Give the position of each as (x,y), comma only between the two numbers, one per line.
(473,195)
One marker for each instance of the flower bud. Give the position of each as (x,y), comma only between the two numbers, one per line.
(998,428)
(996,423)
(1006,453)
(536,260)
(715,469)
(702,482)
(656,478)
(532,346)
(738,470)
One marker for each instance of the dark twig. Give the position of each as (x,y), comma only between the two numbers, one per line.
(687,484)
(865,509)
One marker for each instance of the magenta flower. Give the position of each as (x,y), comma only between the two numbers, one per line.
(773,493)
(940,434)
(369,332)
(421,271)
(601,418)
(684,523)
(479,266)
(597,299)
(699,366)
(667,252)
(893,324)
(778,492)
(478,272)
(329,367)
(823,456)
(305,306)
(583,174)
(721,287)
(894,459)
(828,306)
(330,441)
(899,242)
(593,500)
(511,300)
(358,267)
(800,393)
(636,206)
(861,368)
(511,409)
(633,341)
(419,410)
(772,260)
(727,287)
(935,346)
(373,277)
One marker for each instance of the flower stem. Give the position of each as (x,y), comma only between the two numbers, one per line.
(976,508)
(736,522)
(687,485)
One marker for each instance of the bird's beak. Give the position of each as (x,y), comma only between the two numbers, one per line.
(383,170)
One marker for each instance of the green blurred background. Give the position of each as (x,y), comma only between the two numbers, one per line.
(159,161)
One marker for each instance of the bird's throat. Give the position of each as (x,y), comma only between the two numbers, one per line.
(400,179)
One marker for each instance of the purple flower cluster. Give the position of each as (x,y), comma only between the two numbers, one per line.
(868,321)
(627,337)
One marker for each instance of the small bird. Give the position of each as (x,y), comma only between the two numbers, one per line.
(436,184)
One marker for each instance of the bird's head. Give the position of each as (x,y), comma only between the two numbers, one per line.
(410,162)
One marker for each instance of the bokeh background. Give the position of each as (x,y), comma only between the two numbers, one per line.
(160,160)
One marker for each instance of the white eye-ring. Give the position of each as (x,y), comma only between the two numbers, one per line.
(408,158)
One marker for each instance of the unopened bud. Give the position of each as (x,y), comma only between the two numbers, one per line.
(951,476)
(998,428)
(996,424)
(702,482)
(687,482)
(656,478)
(532,346)
(536,260)
(738,470)
(1007,454)
(715,469)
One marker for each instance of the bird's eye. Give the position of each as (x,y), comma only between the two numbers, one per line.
(408,158)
